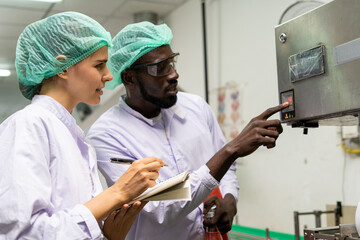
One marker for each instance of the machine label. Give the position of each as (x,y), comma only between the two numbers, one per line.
(347,52)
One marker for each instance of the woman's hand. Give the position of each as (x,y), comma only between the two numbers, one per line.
(140,176)
(118,223)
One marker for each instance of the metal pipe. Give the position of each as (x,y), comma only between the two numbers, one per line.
(267,234)
(317,218)
(297,226)
(205,50)
(46,14)
(338,212)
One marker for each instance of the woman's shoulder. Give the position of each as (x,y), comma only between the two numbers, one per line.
(30,116)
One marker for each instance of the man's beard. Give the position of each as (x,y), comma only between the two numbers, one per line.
(159,102)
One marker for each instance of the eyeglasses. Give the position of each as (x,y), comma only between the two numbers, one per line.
(161,68)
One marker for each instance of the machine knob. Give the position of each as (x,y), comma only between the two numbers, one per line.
(283,37)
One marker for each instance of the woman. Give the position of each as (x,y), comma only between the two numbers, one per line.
(49,186)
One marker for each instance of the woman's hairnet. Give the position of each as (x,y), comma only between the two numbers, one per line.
(131,43)
(51,45)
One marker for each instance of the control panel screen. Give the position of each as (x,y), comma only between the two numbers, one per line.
(289,112)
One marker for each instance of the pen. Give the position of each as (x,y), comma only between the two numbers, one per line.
(125,161)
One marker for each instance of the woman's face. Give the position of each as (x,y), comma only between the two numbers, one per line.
(88,77)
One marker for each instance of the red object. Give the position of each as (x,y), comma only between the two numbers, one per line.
(213,236)
(216,192)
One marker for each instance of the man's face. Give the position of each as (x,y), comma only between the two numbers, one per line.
(158,90)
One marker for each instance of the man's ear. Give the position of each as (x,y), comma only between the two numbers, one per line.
(128,77)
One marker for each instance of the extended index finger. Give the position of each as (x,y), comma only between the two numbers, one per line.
(271,111)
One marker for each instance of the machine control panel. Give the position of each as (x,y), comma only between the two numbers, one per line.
(289,112)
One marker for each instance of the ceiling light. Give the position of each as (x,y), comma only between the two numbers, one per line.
(4,73)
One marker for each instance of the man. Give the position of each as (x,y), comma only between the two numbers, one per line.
(153,119)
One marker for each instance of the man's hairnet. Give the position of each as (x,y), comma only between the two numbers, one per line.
(51,45)
(133,42)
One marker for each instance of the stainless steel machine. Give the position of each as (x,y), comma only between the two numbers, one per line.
(318,65)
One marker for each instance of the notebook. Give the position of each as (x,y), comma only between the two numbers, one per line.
(174,188)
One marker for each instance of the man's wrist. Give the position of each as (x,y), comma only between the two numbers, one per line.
(231,201)
(231,151)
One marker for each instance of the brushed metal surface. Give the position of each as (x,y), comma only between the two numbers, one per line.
(335,93)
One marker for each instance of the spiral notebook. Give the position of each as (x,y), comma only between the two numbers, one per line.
(174,188)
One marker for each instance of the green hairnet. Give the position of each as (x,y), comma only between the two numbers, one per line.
(131,43)
(51,45)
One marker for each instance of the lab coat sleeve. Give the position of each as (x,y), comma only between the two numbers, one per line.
(26,209)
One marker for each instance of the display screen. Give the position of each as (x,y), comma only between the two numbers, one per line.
(289,112)
(288,97)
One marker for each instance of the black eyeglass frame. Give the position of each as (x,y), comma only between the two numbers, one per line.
(155,63)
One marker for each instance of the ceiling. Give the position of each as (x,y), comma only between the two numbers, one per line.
(15,15)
